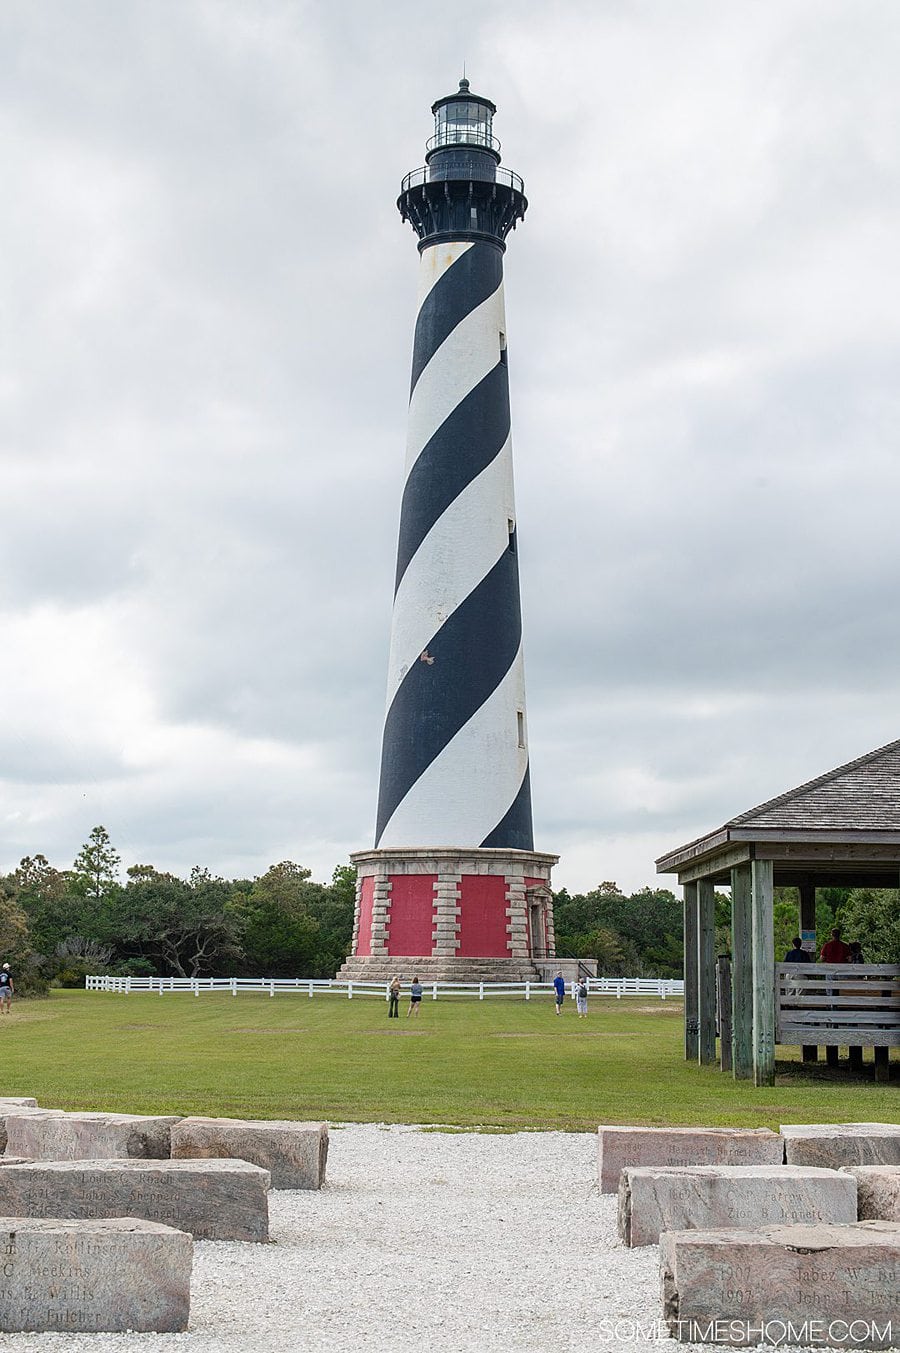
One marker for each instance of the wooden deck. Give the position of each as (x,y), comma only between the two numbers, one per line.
(843,1004)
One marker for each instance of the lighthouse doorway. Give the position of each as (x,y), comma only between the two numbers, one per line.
(538,930)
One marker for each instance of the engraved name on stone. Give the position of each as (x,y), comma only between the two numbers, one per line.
(51,1134)
(11,1108)
(655,1199)
(210,1199)
(93,1276)
(843,1278)
(618,1147)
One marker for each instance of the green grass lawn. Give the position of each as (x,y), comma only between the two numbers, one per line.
(502,1062)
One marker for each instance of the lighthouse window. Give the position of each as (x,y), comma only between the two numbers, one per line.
(520,721)
(511,528)
(503,347)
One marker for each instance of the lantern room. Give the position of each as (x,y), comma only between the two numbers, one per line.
(463,119)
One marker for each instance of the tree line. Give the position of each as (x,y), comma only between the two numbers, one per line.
(57,925)
(642,934)
(869,915)
(636,935)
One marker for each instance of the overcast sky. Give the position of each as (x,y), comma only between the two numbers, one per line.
(207,307)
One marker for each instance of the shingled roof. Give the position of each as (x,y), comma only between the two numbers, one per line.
(864,795)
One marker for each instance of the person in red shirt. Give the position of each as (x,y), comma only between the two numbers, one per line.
(835,950)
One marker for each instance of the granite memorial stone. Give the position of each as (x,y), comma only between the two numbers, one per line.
(84,1277)
(11,1108)
(878,1197)
(50,1134)
(826,1285)
(621,1146)
(210,1199)
(704,1197)
(832,1145)
(293,1153)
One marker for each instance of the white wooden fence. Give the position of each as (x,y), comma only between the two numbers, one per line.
(304,986)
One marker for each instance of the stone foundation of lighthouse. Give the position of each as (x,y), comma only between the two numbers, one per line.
(450,914)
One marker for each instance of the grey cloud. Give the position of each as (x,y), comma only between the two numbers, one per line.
(59,761)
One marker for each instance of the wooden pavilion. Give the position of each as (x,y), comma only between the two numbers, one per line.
(839,830)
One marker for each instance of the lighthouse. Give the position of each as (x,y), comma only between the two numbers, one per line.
(453,887)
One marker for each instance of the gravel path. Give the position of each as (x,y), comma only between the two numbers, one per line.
(448,1242)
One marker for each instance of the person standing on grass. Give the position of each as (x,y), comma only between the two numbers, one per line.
(394,1002)
(7,990)
(415,997)
(559,986)
(581,995)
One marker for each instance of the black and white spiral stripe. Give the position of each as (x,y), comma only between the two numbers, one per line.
(454,766)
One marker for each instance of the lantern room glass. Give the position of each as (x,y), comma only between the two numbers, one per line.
(465,122)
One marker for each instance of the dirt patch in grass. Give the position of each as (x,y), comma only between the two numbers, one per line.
(397,1033)
(584,1033)
(364,1033)
(261,1030)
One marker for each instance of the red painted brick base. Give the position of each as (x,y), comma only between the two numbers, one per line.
(452,906)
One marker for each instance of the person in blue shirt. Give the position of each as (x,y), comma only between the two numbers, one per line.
(797,954)
(559,986)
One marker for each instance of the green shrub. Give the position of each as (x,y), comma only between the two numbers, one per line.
(71,976)
(29,979)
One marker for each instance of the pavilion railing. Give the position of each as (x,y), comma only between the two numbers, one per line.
(838,1004)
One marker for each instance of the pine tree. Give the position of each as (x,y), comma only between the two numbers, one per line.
(97,865)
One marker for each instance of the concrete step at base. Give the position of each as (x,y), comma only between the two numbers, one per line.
(379,969)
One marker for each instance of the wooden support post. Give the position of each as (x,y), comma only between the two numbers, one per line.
(761,903)
(882,1064)
(723,986)
(691,1014)
(856,1056)
(831,1055)
(807,892)
(741,974)
(706,972)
